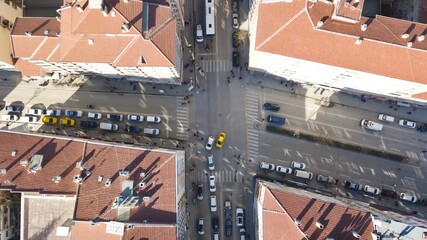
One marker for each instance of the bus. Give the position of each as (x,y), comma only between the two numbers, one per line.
(210,17)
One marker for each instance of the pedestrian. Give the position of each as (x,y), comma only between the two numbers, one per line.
(409,112)
(424,151)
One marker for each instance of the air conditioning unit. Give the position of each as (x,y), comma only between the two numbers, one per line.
(24,163)
(4,170)
(100,178)
(56,179)
(142,174)
(145,198)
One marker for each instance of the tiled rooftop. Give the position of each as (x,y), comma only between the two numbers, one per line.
(280,209)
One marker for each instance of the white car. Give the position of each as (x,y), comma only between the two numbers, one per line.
(242,234)
(268,166)
(212,186)
(53,112)
(200,229)
(385,118)
(36,111)
(210,142)
(10,117)
(407,124)
(285,170)
(73,113)
(235,20)
(408,197)
(199,33)
(239,217)
(353,185)
(298,165)
(154,119)
(213,203)
(372,190)
(93,115)
(136,118)
(211,164)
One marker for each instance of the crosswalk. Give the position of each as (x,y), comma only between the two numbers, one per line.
(216,65)
(252,105)
(181,118)
(221,176)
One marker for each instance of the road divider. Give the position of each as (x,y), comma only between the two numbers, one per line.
(336,143)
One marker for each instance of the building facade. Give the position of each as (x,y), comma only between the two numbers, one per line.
(8,12)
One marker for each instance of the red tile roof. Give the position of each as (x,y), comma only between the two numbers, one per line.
(280,208)
(81,230)
(288,28)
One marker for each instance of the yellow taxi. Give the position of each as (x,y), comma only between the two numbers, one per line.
(67,122)
(50,120)
(221,139)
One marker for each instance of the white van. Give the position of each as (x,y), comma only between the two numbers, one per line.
(28,119)
(303,174)
(213,203)
(368,124)
(108,126)
(151,131)
(385,118)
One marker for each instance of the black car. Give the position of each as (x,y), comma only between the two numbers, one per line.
(388,193)
(271,107)
(115,117)
(228,228)
(200,191)
(422,127)
(88,124)
(235,40)
(215,223)
(236,59)
(132,129)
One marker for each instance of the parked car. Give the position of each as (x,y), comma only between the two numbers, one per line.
(284,170)
(200,191)
(267,166)
(236,58)
(235,17)
(132,129)
(388,193)
(239,217)
(213,203)
(215,223)
(271,107)
(212,185)
(29,119)
(93,115)
(136,118)
(209,143)
(154,119)
(385,118)
(36,111)
(422,127)
(54,112)
(73,113)
(407,124)
(234,40)
(69,122)
(88,124)
(275,119)
(49,120)
(200,228)
(371,125)
(115,117)
(373,190)
(10,117)
(221,139)
(352,185)
(242,234)
(234,5)
(408,197)
(228,228)
(151,131)
(13,109)
(326,179)
(298,165)
(211,164)
(199,33)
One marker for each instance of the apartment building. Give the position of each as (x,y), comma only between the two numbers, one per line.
(135,40)
(330,44)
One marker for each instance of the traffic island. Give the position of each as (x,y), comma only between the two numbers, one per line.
(336,143)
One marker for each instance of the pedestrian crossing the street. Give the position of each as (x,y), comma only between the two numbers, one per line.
(252,104)
(182,118)
(216,65)
(221,176)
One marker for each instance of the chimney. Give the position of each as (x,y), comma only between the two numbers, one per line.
(46,32)
(90,41)
(421,38)
(319,24)
(355,234)
(125,27)
(409,44)
(58,34)
(108,182)
(359,41)
(104,10)
(404,36)
(58,18)
(95,4)
(363,27)
(126,1)
(297,222)
(319,225)
(79,8)
(28,33)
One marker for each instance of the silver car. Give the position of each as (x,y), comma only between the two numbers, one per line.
(212,186)
(211,164)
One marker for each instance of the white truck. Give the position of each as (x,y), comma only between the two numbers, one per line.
(371,125)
